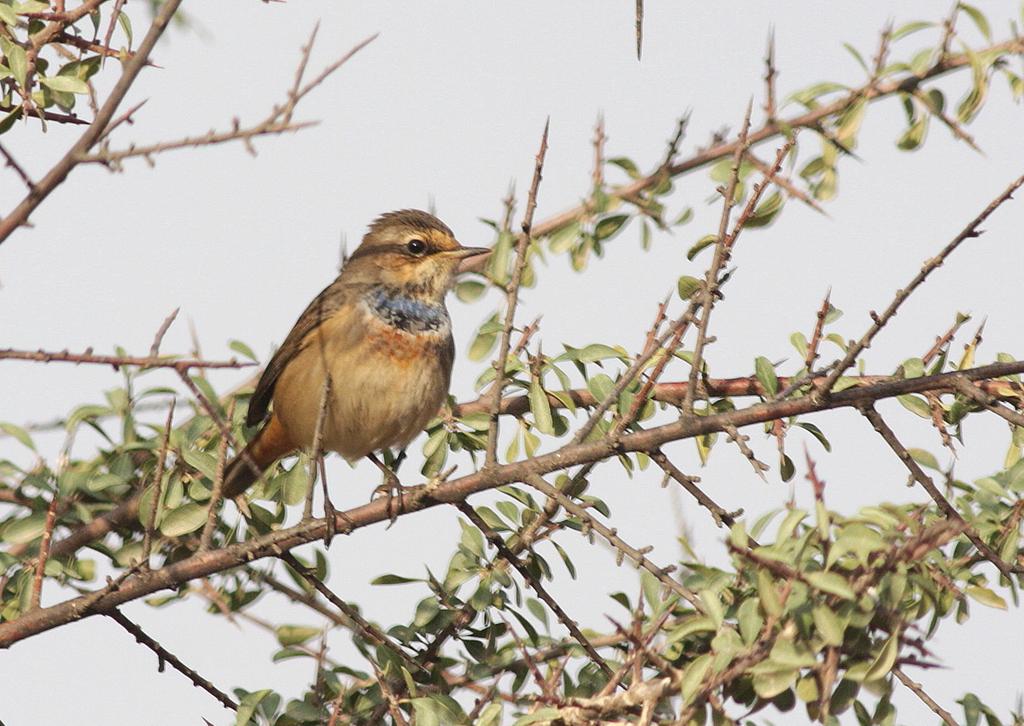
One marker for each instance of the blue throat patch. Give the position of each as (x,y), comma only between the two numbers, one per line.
(410,314)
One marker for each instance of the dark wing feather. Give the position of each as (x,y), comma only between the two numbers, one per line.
(329,301)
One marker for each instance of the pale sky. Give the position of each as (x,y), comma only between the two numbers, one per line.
(445,108)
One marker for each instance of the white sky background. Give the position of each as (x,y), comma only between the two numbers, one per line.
(446,107)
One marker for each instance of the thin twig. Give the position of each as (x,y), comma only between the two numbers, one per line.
(18,169)
(880,321)
(44,552)
(218,487)
(927,700)
(928,485)
(495,539)
(637,556)
(64,356)
(154,350)
(165,656)
(512,299)
(370,631)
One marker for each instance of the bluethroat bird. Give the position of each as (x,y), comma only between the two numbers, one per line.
(377,342)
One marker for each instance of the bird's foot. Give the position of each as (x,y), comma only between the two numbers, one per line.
(394,491)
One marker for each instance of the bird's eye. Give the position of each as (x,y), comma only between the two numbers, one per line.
(416,246)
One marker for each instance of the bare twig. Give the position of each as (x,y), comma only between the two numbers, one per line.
(512,299)
(218,488)
(44,552)
(495,539)
(880,321)
(116,361)
(165,656)
(927,700)
(154,350)
(18,169)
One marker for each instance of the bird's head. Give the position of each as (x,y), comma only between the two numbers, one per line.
(411,250)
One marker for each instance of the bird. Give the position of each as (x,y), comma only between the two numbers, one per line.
(370,357)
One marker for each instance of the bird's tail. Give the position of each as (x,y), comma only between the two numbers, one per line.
(270,444)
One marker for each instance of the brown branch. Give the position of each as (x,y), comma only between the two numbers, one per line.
(495,539)
(44,552)
(116,361)
(980,397)
(610,535)
(165,656)
(927,700)
(928,485)
(206,539)
(154,349)
(880,321)
(689,483)
(819,327)
(512,300)
(367,629)
(18,169)
(721,255)
(422,497)
(56,176)
(811,119)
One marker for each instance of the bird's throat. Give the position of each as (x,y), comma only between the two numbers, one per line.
(406,312)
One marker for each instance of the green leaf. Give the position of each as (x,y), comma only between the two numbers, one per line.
(979,19)
(16,60)
(7,15)
(295,634)
(626,165)
(19,433)
(470,290)
(610,226)
(916,404)
(885,659)
(248,705)
(687,286)
(693,676)
(985,596)
(828,624)
(66,84)
(766,375)
(909,28)
(766,211)
(924,458)
(705,241)
(831,583)
(25,530)
(186,518)
(540,407)
(240,347)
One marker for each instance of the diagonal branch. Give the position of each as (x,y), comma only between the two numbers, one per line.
(928,485)
(166,656)
(880,321)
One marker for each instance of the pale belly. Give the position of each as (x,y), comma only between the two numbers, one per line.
(386,384)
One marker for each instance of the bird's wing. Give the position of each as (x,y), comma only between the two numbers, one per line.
(329,301)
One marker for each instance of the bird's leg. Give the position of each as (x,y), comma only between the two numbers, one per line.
(390,486)
(398,461)
(328,505)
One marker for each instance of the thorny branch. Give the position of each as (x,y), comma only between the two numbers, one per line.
(512,299)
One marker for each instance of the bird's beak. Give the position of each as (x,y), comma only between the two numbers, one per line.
(462,253)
